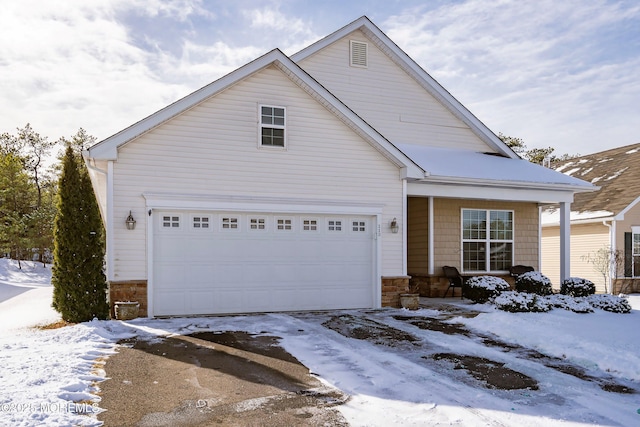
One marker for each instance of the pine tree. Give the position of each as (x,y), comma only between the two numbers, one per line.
(79,292)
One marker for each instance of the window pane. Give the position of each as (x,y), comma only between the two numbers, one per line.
(500,256)
(501,225)
(474,258)
(636,244)
(474,224)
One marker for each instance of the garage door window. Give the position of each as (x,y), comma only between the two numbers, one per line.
(229,223)
(334,225)
(309,225)
(284,224)
(358,226)
(169,221)
(201,222)
(257,224)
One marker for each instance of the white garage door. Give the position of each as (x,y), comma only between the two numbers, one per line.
(226,262)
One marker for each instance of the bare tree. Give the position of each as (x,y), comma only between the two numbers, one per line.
(608,262)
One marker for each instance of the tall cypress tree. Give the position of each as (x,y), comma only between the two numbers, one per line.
(80,286)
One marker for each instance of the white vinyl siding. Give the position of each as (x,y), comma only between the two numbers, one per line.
(388,98)
(211,150)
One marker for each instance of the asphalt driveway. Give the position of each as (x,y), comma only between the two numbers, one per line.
(232,377)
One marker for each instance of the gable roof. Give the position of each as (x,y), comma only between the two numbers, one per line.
(615,171)
(404,61)
(108,148)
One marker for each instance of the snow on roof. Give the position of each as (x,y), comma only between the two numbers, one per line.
(445,162)
(552,216)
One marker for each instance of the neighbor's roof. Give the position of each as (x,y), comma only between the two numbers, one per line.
(450,165)
(616,172)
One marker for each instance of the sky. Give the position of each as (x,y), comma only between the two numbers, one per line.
(553,73)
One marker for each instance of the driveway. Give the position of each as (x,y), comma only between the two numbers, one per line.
(234,371)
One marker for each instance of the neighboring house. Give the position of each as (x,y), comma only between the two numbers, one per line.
(317,181)
(604,222)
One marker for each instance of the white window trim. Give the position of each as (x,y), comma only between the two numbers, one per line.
(488,240)
(273,126)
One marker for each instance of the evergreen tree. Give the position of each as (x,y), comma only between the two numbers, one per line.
(80,287)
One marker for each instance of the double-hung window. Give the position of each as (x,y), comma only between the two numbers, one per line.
(487,240)
(272,126)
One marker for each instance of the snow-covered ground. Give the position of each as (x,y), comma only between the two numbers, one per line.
(43,372)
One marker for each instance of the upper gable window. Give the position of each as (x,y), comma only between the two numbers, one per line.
(358,54)
(272,126)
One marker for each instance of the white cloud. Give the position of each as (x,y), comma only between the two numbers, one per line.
(537,70)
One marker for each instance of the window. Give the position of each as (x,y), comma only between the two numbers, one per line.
(201,222)
(334,225)
(283,224)
(358,226)
(272,122)
(309,225)
(487,240)
(170,221)
(256,224)
(229,223)
(631,252)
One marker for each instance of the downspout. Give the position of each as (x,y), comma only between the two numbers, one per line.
(108,215)
(431,255)
(613,267)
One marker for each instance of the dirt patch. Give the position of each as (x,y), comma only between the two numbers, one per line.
(489,372)
(362,328)
(433,324)
(606,382)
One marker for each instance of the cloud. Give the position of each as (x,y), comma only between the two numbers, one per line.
(528,69)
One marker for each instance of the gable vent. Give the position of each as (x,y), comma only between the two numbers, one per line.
(358,54)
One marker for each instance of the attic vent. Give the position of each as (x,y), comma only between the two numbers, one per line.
(358,54)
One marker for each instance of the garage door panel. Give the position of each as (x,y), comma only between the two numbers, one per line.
(209,271)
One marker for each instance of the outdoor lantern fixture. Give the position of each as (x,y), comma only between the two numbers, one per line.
(394,226)
(131,223)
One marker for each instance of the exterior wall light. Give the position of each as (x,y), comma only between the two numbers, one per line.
(131,223)
(394,226)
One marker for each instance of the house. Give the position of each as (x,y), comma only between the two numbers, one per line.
(604,223)
(318,181)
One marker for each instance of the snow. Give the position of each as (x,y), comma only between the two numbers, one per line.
(464,164)
(43,372)
(552,216)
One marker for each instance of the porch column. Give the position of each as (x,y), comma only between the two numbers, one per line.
(565,240)
(431,263)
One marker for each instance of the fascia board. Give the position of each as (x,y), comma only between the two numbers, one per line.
(107,149)
(418,73)
(522,194)
(475,182)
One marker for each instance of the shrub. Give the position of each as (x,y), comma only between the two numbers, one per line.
(534,282)
(577,287)
(481,289)
(577,304)
(610,303)
(519,302)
